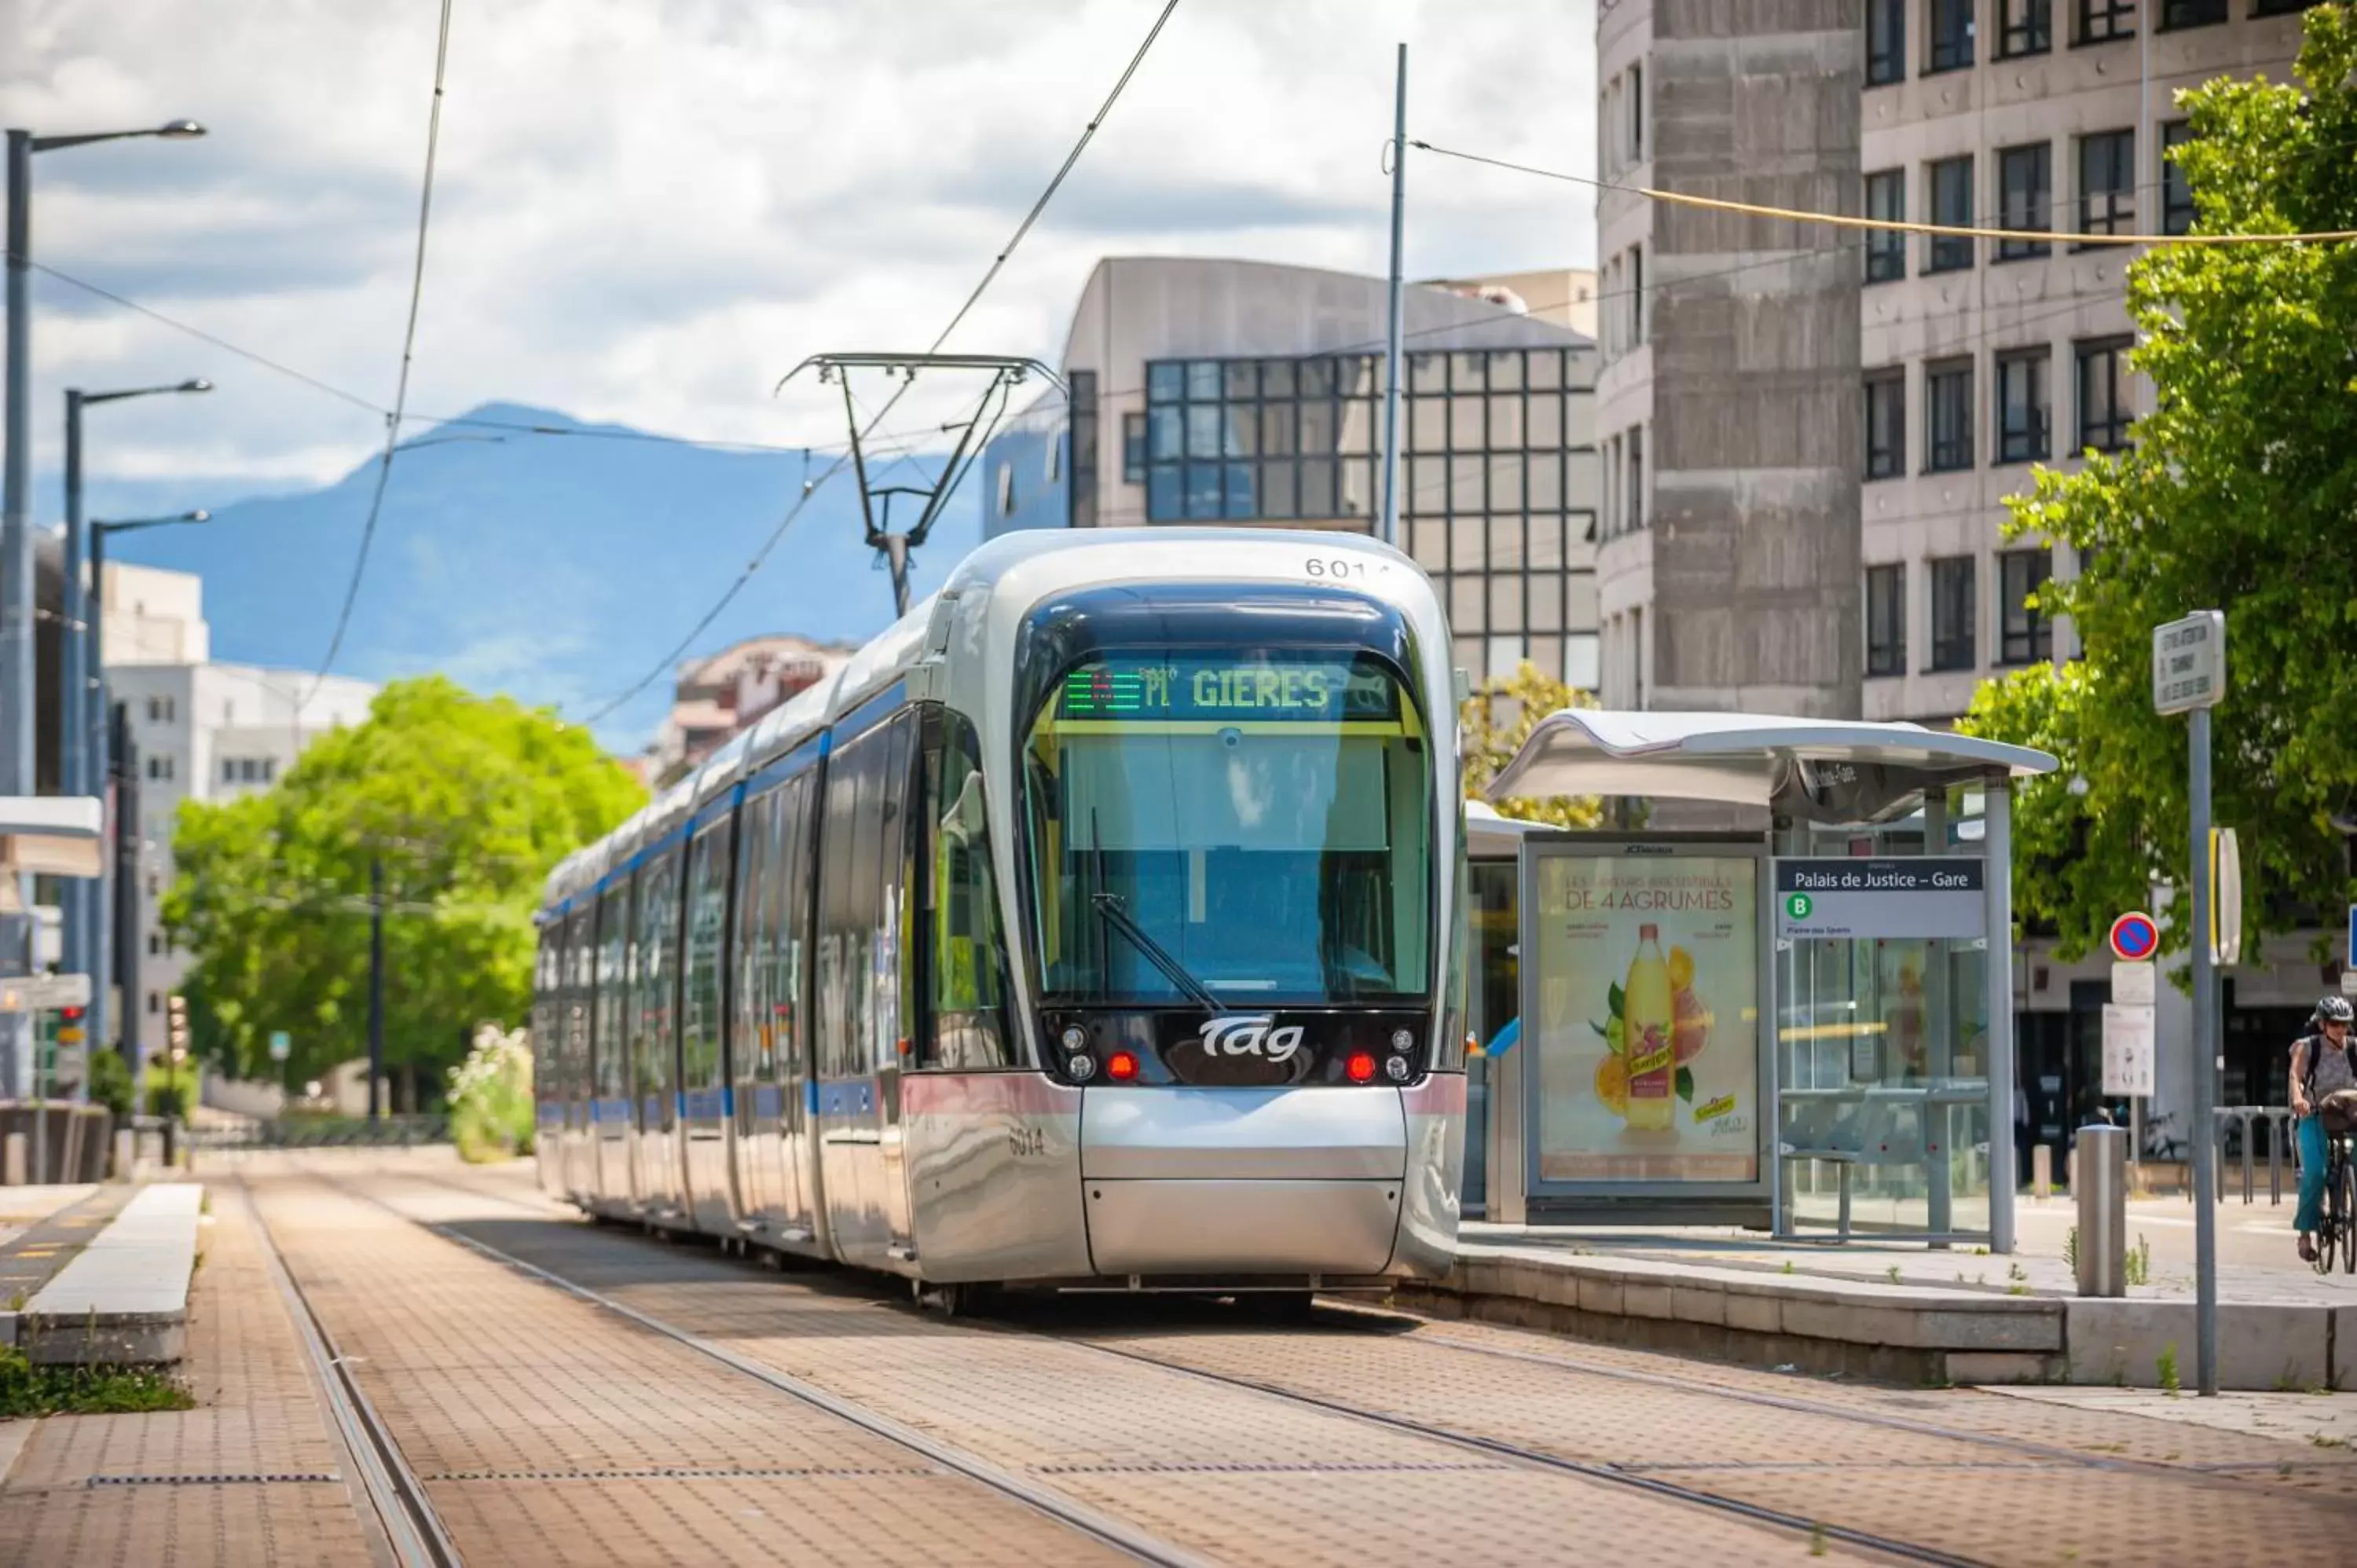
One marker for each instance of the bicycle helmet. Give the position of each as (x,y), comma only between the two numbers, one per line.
(2334,1010)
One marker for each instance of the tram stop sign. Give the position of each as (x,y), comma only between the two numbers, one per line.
(2135,938)
(281,1045)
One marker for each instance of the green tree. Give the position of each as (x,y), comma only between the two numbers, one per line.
(2240,494)
(1497,719)
(466,801)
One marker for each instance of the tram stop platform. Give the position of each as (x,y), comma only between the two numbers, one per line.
(1905,1314)
(98,1275)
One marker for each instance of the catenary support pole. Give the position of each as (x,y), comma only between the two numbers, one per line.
(1394,333)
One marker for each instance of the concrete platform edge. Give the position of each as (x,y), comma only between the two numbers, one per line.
(1887,1333)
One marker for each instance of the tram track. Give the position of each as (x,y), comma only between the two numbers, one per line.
(410,1531)
(1094,1523)
(1815,1532)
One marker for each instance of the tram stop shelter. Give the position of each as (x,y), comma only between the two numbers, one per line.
(1794,1011)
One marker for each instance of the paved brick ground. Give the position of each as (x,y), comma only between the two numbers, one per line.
(250,1476)
(1972,1473)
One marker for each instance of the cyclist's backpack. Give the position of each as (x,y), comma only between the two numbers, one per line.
(2338,1106)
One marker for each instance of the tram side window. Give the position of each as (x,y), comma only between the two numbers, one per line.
(846,886)
(788,902)
(707,910)
(654,936)
(543,1014)
(580,951)
(968,956)
(896,910)
(754,937)
(608,1079)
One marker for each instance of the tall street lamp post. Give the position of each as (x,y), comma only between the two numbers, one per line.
(80,719)
(17,705)
(99,728)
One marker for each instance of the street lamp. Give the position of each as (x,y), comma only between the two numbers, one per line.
(102,741)
(17,724)
(15,524)
(81,713)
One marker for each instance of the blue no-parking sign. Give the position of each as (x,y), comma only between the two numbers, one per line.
(2135,938)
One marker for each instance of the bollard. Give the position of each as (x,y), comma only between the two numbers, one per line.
(2246,1154)
(12,1162)
(2041,1171)
(127,1154)
(2099,1185)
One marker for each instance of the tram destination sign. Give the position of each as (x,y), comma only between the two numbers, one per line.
(1158,688)
(1933,896)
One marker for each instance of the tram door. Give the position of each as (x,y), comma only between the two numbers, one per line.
(609,1091)
(579,955)
(766,1053)
(866,867)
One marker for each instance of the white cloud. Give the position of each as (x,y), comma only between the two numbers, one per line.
(650,211)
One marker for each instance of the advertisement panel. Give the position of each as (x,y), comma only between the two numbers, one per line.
(1648,1059)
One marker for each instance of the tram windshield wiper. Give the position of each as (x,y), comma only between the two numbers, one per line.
(1116,915)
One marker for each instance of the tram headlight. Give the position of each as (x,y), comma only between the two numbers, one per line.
(1082,1068)
(1403,1041)
(1076,1038)
(1397,1068)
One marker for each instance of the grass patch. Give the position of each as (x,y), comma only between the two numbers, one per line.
(2165,1365)
(2139,1262)
(27,1390)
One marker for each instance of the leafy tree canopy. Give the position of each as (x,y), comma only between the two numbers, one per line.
(2239,494)
(1497,719)
(467,802)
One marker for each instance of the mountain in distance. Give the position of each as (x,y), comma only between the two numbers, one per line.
(557,568)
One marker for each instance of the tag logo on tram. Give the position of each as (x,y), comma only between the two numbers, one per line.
(1250,1035)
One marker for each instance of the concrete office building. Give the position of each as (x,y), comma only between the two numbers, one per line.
(1727,407)
(204,732)
(1247,392)
(1809,433)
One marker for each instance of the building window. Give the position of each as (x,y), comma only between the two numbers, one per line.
(155,944)
(1885,42)
(2024,635)
(1080,496)
(2103,413)
(1948,416)
(159,765)
(1952,204)
(1006,489)
(1636,294)
(2100,21)
(2176,192)
(1133,448)
(1950,46)
(1886,249)
(1637,113)
(2027,28)
(162,710)
(1636,480)
(2024,197)
(2107,183)
(2023,406)
(1886,423)
(2191,14)
(229,770)
(1886,619)
(155,1001)
(1951,613)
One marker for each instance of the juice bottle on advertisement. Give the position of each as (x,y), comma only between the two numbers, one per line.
(1649,1010)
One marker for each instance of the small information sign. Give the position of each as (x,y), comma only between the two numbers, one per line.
(2189,662)
(2127,1050)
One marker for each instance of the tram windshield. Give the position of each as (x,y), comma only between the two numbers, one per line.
(1263,818)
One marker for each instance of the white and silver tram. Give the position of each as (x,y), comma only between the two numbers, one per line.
(1097,927)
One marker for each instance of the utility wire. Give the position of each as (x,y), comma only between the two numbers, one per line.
(408,352)
(1890,225)
(811,486)
(344,395)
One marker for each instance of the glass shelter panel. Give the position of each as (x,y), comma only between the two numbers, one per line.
(1882,1046)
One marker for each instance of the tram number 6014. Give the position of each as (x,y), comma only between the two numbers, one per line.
(1026,1141)
(1340,567)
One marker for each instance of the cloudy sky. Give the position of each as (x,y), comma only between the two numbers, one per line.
(648,210)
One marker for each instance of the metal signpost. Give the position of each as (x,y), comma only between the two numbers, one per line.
(2189,676)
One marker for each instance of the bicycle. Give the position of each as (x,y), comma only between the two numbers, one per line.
(2337,1227)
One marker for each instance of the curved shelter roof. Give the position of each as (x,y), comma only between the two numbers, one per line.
(1825,771)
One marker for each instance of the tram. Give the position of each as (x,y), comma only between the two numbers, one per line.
(1097,927)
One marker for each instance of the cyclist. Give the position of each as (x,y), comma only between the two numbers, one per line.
(2322,1063)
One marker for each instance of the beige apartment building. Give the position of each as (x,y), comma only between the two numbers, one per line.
(1981,359)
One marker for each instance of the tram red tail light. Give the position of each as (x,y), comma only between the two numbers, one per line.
(1360,1067)
(1121,1067)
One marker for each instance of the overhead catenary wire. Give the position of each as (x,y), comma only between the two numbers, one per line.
(811,486)
(1887,225)
(408,353)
